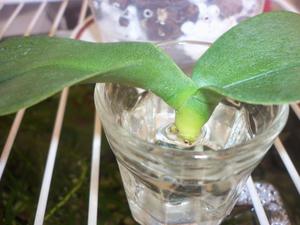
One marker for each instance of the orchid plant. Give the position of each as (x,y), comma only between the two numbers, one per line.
(257,61)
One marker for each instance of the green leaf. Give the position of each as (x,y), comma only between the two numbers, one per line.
(257,61)
(32,69)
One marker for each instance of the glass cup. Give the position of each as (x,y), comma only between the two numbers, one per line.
(164,20)
(169,182)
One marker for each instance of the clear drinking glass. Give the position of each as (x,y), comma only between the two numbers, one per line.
(164,20)
(169,182)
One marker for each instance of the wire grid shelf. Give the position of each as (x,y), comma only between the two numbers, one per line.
(59,119)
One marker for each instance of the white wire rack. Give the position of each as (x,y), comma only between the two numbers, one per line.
(95,162)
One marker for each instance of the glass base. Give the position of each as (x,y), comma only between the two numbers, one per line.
(161,204)
(144,218)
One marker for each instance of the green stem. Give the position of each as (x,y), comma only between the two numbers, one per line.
(195,112)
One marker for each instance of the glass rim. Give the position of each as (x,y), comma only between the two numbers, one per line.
(172,42)
(282,114)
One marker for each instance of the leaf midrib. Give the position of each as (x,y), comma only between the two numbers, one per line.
(258,76)
(70,66)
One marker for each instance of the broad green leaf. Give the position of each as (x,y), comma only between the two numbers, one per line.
(32,69)
(257,61)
